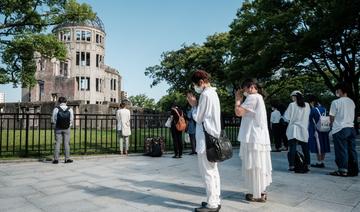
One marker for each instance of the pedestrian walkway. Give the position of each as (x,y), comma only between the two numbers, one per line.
(139,183)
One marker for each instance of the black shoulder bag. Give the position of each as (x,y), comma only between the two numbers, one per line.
(217,149)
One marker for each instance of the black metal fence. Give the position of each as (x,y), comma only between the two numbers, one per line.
(33,135)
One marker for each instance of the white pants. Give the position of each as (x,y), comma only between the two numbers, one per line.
(210,174)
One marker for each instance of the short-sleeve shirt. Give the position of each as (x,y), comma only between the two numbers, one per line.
(254,127)
(275,117)
(298,118)
(343,109)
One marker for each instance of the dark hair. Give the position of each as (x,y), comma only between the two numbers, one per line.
(200,75)
(344,87)
(313,98)
(300,100)
(122,105)
(62,99)
(252,82)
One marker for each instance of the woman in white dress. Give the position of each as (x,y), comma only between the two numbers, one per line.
(255,141)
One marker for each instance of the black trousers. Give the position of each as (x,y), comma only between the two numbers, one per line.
(177,141)
(193,142)
(276,132)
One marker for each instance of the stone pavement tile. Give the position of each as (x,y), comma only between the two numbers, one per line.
(60,198)
(44,184)
(108,204)
(349,198)
(288,196)
(355,187)
(319,205)
(161,203)
(275,207)
(24,208)
(17,191)
(356,209)
(12,203)
(74,206)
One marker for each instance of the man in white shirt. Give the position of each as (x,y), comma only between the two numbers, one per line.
(206,114)
(342,115)
(275,127)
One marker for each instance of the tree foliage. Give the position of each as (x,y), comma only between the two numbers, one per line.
(143,101)
(21,27)
(309,45)
(298,37)
(167,101)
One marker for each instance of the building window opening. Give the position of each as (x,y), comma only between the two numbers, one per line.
(88,36)
(78,35)
(87,58)
(63,68)
(41,89)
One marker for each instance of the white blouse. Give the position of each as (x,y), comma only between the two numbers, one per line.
(298,118)
(254,127)
(207,112)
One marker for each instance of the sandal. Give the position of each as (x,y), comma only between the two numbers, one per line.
(250,198)
(338,173)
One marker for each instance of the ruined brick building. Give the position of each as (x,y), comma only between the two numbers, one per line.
(83,76)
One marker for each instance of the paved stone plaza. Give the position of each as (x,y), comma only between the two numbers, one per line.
(139,183)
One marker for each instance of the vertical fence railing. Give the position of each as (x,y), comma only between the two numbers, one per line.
(32,134)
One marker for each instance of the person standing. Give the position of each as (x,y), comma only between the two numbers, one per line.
(62,118)
(318,141)
(206,114)
(275,127)
(191,130)
(123,128)
(176,112)
(255,140)
(298,113)
(342,115)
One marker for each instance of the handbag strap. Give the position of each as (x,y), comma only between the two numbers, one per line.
(176,111)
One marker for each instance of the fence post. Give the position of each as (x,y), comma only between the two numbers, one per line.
(85,131)
(136,132)
(27,135)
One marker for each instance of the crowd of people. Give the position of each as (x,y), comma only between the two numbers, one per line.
(297,125)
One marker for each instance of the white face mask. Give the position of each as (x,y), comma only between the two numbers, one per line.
(246,94)
(337,94)
(198,89)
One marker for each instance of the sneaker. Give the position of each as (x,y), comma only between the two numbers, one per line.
(69,161)
(204,204)
(175,156)
(206,209)
(55,162)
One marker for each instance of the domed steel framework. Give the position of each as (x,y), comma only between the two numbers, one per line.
(96,23)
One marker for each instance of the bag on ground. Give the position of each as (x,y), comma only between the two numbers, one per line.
(218,149)
(63,118)
(299,163)
(154,147)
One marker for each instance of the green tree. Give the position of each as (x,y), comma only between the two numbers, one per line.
(143,101)
(290,38)
(167,101)
(21,26)
(176,67)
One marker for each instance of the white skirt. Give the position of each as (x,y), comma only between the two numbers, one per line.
(256,167)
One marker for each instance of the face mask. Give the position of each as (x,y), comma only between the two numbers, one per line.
(246,94)
(198,89)
(337,94)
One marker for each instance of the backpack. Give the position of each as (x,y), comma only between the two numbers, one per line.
(323,125)
(299,163)
(181,123)
(63,118)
